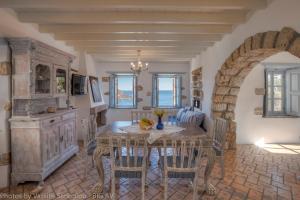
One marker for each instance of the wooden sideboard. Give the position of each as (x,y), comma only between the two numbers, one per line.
(40,141)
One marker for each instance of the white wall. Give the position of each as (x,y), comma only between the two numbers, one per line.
(10,26)
(4,115)
(279,14)
(144,79)
(252,128)
(86,67)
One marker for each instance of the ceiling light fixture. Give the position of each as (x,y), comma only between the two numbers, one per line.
(138,66)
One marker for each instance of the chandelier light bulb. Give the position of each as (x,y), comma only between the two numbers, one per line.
(138,66)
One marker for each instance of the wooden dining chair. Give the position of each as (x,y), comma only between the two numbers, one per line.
(219,139)
(181,159)
(137,115)
(128,159)
(89,143)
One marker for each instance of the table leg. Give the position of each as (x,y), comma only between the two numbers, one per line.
(211,156)
(98,153)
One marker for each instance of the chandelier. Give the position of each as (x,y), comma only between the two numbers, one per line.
(138,66)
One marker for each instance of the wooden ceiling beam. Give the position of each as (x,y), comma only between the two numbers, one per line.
(145,51)
(137,43)
(137,28)
(133,4)
(232,17)
(142,48)
(144,54)
(150,59)
(136,37)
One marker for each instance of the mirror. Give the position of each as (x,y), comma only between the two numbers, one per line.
(42,79)
(61,81)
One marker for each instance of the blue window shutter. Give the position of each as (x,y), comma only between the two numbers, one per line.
(178,91)
(293,92)
(154,90)
(112,103)
(134,91)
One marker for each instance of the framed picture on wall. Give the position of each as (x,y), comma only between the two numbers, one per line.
(95,88)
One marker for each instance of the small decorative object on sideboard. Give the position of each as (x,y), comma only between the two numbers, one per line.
(159,113)
(51,109)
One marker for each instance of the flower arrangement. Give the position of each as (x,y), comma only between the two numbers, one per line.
(159,112)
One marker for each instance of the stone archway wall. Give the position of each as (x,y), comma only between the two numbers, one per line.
(239,64)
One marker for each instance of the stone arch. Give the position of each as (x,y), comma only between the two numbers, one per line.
(238,65)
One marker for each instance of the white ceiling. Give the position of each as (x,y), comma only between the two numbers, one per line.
(112,30)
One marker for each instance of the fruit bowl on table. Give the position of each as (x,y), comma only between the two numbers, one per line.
(146,124)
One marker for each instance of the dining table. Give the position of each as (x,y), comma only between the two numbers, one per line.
(117,129)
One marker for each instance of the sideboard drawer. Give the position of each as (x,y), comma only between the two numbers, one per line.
(51,121)
(69,116)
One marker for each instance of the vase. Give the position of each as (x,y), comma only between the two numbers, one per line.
(159,125)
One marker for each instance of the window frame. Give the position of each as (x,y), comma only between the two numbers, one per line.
(113,88)
(284,68)
(155,90)
(266,97)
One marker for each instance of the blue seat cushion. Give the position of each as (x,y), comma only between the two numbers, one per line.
(129,174)
(178,174)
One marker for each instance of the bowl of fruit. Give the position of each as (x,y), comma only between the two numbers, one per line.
(146,124)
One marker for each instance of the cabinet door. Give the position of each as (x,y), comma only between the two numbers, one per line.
(60,81)
(51,144)
(41,79)
(67,135)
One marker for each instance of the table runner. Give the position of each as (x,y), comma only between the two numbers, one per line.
(154,134)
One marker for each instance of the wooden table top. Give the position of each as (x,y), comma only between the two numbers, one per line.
(116,129)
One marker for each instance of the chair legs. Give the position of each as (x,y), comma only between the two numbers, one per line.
(149,154)
(222,167)
(195,189)
(113,187)
(86,165)
(93,162)
(159,155)
(165,186)
(143,184)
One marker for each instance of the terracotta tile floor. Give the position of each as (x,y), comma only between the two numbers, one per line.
(251,173)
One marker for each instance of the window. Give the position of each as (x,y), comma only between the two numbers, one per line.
(275,92)
(282,92)
(122,91)
(166,90)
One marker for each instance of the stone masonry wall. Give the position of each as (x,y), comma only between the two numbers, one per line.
(232,73)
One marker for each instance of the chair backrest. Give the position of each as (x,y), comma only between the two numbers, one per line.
(128,153)
(92,127)
(219,133)
(185,152)
(137,115)
(88,126)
